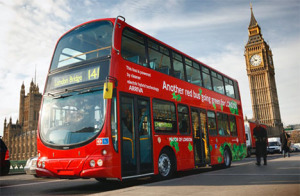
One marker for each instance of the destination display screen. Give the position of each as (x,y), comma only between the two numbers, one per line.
(82,75)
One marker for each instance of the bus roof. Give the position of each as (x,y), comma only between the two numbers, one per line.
(176,50)
(147,35)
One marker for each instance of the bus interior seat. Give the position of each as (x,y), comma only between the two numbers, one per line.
(177,74)
(152,65)
(164,69)
(134,59)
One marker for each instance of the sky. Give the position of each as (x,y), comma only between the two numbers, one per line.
(212,31)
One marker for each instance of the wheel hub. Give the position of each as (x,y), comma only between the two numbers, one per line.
(164,165)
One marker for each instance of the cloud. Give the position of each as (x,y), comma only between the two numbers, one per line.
(156,15)
(29,31)
(287,72)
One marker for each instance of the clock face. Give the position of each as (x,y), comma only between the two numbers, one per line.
(255,60)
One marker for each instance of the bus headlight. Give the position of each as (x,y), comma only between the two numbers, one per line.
(92,163)
(99,162)
(104,152)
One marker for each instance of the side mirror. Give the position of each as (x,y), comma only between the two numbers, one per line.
(108,90)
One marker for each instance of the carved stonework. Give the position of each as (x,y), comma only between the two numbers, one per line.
(20,138)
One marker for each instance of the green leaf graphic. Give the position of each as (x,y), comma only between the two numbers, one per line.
(178,97)
(200,91)
(233,107)
(219,159)
(190,147)
(174,144)
(174,96)
(222,148)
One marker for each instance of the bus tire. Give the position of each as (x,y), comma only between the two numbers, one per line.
(227,158)
(106,182)
(166,164)
(102,180)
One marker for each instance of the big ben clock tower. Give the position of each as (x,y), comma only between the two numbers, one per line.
(261,75)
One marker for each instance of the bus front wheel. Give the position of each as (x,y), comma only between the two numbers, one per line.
(166,164)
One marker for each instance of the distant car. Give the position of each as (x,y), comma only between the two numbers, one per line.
(4,161)
(274,147)
(30,167)
(295,147)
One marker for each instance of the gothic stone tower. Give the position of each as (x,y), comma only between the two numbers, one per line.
(20,138)
(261,75)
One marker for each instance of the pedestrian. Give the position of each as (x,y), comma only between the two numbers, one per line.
(284,139)
(261,138)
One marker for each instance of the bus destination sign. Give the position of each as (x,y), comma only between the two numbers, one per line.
(76,77)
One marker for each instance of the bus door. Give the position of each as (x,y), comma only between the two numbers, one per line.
(200,135)
(136,143)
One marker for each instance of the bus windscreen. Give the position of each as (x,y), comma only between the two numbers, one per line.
(90,41)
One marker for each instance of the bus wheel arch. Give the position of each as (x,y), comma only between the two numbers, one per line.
(167,164)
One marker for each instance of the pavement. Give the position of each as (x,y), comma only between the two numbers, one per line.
(280,177)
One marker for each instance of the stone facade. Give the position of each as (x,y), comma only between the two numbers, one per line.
(261,75)
(20,137)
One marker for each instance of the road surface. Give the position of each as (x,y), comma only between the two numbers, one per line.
(280,177)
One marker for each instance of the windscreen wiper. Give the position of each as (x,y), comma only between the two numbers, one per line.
(89,91)
(60,96)
(50,94)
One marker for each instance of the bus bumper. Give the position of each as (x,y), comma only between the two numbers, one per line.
(45,173)
(97,173)
(93,167)
(88,173)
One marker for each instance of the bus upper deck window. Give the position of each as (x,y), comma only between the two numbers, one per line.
(89,41)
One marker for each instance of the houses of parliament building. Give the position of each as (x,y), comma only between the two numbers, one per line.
(20,137)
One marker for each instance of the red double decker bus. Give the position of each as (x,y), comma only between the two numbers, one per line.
(120,104)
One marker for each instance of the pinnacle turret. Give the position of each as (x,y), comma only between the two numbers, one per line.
(253,22)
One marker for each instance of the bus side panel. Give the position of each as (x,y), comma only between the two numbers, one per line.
(182,148)
(184,152)
(236,145)
(215,154)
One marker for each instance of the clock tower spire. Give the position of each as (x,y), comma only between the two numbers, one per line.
(261,75)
